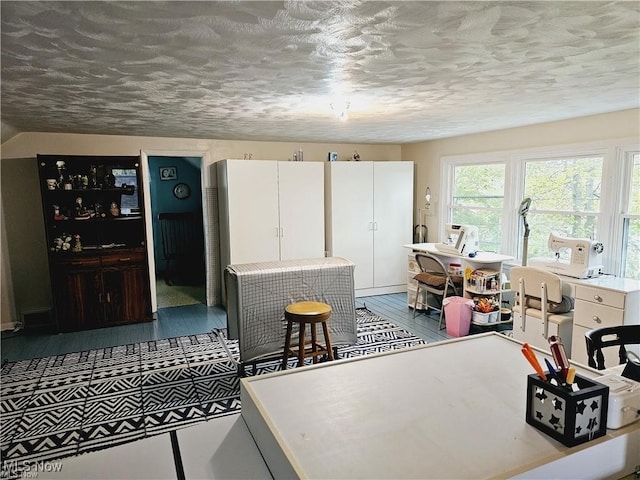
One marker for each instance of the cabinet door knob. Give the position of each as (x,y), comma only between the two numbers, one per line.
(597,298)
(597,319)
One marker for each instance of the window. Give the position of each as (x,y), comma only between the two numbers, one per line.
(478,199)
(630,264)
(590,191)
(565,199)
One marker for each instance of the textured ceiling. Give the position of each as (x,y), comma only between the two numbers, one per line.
(267,70)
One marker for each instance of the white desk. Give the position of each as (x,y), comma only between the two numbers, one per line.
(486,260)
(604,301)
(480,258)
(453,409)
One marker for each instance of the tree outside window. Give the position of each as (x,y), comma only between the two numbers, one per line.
(565,199)
(478,199)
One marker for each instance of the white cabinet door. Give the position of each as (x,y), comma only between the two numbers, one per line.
(252,195)
(301,191)
(350,214)
(393,220)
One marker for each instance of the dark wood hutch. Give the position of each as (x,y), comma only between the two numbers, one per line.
(94,222)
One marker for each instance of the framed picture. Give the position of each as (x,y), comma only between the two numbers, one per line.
(168,173)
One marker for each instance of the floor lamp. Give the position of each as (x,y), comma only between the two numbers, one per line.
(524,209)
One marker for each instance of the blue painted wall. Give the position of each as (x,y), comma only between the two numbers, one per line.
(163,200)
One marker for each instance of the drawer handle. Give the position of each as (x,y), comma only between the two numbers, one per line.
(597,298)
(597,319)
(125,259)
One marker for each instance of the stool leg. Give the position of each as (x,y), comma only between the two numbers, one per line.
(327,340)
(301,347)
(314,343)
(287,345)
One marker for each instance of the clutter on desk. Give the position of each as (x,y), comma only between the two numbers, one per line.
(483,280)
(561,403)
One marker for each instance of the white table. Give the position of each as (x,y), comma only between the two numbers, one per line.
(453,409)
(480,258)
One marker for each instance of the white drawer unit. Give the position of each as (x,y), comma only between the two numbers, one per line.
(602,302)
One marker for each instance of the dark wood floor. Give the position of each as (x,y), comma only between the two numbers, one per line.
(193,319)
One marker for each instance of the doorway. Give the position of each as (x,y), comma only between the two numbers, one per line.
(178,230)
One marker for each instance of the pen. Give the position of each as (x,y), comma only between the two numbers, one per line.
(528,353)
(552,372)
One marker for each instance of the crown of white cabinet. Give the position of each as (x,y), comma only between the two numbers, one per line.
(369,217)
(270,210)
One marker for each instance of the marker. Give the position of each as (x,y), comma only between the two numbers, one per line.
(528,353)
(571,375)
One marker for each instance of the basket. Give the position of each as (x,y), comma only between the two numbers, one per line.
(482,318)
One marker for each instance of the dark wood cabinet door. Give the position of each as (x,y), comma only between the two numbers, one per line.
(79,294)
(126,289)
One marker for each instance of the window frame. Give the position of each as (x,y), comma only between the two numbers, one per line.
(609,223)
(624,156)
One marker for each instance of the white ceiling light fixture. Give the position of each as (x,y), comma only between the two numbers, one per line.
(341,110)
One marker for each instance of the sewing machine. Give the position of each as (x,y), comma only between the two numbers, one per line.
(585,260)
(460,240)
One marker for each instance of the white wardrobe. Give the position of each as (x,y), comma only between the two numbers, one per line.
(270,210)
(369,217)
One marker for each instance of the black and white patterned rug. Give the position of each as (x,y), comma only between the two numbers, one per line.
(69,404)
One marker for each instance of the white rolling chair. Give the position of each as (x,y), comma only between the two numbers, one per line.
(541,309)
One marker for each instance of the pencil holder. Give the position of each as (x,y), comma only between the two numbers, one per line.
(571,417)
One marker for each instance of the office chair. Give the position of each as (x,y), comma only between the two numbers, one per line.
(619,335)
(434,278)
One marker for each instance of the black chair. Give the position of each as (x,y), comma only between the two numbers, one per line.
(620,335)
(182,247)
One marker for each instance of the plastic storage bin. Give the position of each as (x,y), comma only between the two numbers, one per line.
(457,313)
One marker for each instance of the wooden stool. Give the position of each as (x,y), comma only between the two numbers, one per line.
(311,313)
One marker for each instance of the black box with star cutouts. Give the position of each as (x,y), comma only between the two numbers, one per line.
(571,417)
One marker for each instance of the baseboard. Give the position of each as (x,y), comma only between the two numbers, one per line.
(7,326)
(367,292)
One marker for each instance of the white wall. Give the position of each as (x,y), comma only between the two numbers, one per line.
(426,155)
(25,145)
(7,306)
(28,254)
(22,204)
